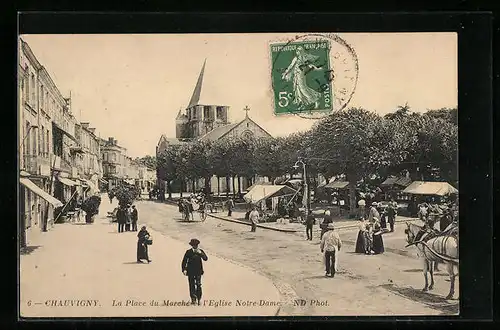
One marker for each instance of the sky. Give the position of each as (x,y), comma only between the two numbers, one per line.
(131,87)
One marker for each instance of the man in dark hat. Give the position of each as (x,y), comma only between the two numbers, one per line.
(135,217)
(192,267)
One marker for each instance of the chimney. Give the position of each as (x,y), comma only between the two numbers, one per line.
(111,140)
(85,125)
(116,142)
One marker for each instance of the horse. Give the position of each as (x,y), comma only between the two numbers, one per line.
(434,248)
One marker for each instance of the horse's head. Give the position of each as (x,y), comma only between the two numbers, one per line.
(409,235)
(411,232)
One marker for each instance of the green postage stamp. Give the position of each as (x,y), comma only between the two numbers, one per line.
(302,77)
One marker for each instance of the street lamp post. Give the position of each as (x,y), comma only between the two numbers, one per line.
(306,188)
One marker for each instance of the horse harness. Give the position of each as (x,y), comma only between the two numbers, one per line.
(425,234)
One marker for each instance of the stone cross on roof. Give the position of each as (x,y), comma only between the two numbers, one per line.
(246,109)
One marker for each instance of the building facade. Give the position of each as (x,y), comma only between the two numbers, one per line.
(45,123)
(88,158)
(114,162)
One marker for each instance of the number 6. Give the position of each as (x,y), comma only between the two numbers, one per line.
(29,303)
(283,97)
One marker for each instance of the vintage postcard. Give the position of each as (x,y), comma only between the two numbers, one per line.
(257,174)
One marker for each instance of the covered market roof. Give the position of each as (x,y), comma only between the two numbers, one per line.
(260,192)
(394,180)
(337,184)
(430,188)
(260,182)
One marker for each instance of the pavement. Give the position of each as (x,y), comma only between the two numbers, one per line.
(79,270)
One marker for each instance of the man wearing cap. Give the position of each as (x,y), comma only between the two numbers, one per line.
(330,245)
(192,267)
(254,218)
(326,220)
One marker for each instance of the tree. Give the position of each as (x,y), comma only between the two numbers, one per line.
(168,164)
(148,161)
(350,140)
(125,193)
(402,111)
(448,114)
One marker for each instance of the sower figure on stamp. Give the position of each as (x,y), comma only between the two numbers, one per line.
(192,267)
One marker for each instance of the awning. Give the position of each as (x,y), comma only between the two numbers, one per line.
(396,181)
(40,192)
(259,183)
(260,192)
(103,181)
(337,184)
(430,188)
(67,181)
(92,186)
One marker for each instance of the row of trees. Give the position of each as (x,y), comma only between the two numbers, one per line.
(355,143)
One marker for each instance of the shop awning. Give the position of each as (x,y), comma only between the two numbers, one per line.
(67,181)
(259,183)
(396,181)
(430,188)
(92,186)
(260,192)
(337,184)
(40,192)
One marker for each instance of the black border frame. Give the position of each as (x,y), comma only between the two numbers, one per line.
(475,120)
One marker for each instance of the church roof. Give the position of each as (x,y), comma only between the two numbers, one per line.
(218,132)
(171,141)
(206,91)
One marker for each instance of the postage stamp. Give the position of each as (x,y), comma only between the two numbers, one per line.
(313,75)
(302,76)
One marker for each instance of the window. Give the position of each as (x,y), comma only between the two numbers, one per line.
(47,143)
(32,87)
(206,112)
(41,141)
(27,138)
(42,104)
(46,102)
(194,112)
(220,113)
(33,142)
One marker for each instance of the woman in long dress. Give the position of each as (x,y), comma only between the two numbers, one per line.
(142,247)
(378,242)
(296,72)
(360,241)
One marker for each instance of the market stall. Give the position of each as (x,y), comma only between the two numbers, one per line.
(259,194)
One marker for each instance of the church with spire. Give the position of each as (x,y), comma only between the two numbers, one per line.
(206,118)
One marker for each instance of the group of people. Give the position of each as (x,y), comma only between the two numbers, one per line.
(431,213)
(127,217)
(370,240)
(186,206)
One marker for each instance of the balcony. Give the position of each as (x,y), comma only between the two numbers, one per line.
(60,164)
(36,164)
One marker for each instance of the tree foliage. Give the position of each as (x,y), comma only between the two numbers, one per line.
(356,143)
